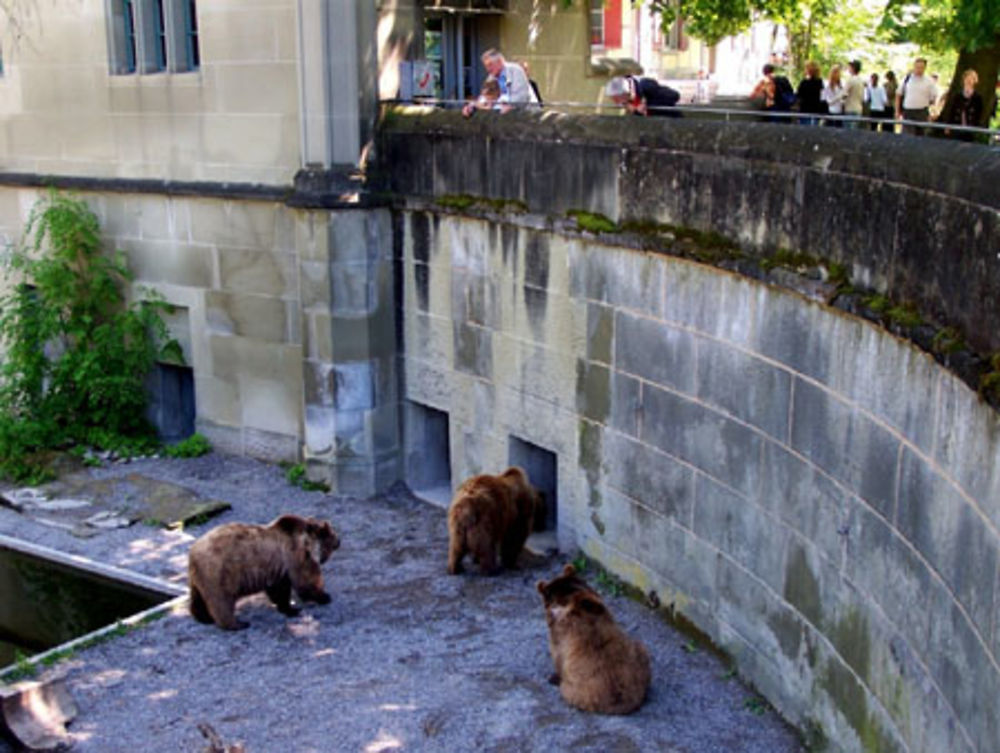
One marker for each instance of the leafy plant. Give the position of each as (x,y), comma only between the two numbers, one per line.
(193,447)
(296,475)
(24,668)
(580,562)
(755,705)
(691,646)
(592,222)
(76,352)
(609,583)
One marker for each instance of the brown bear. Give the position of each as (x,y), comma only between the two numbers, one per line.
(239,559)
(597,666)
(490,513)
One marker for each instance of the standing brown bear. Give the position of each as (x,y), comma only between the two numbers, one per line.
(598,667)
(239,559)
(490,513)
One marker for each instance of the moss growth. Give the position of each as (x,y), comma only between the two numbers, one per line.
(784,257)
(989,383)
(464,202)
(904,315)
(836,274)
(878,303)
(592,222)
(947,341)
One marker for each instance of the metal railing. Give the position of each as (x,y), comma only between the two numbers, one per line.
(727,114)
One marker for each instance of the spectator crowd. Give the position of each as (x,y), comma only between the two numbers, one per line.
(845,99)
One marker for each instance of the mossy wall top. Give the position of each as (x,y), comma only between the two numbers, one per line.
(913,217)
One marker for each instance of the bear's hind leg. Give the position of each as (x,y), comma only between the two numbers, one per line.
(280,594)
(198,608)
(456,551)
(223,612)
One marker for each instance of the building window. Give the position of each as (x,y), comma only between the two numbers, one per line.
(596,23)
(605,24)
(152,36)
(669,34)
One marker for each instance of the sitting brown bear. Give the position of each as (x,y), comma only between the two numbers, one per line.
(598,667)
(238,559)
(487,513)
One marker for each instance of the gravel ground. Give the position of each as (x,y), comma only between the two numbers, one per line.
(405,658)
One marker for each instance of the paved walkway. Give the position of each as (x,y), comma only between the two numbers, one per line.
(405,658)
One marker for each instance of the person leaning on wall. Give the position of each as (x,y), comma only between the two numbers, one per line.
(515,88)
(643,96)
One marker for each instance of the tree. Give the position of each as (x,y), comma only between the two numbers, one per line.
(970,26)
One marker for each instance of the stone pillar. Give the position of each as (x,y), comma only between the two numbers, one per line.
(351,386)
(338,80)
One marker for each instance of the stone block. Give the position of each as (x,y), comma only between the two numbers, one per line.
(619,277)
(626,404)
(805,499)
(962,670)
(354,386)
(600,332)
(473,349)
(251,316)
(796,332)
(314,285)
(720,447)
(847,444)
(320,423)
(272,447)
(968,445)
(885,566)
(710,301)
(648,476)
(741,530)
(655,351)
(258,272)
(593,393)
(763,398)
(247,224)
(473,299)
(175,263)
(234,357)
(868,368)
(945,528)
(536,260)
(217,400)
(351,435)
(352,289)
(312,238)
(350,240)
(272,407)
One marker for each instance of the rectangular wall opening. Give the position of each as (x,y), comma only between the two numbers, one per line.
(541,467)
(428,453)
(171,406)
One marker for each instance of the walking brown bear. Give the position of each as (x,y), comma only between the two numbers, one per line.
(239,559)
(597,666)
(490,514)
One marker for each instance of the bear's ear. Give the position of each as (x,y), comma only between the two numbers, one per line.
(290,524)
(569,570)
(541,586)
(591,604)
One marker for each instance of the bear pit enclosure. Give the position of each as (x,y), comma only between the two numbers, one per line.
(405,657)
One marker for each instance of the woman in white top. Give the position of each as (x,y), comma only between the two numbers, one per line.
(878,102)
(834,95)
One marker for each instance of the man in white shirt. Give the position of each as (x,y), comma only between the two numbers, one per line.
(915,97)
(514,85)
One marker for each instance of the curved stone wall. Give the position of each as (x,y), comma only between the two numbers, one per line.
(816,494)
(915,218)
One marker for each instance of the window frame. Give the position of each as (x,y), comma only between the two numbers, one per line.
(147,37)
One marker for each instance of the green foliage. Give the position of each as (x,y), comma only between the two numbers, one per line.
(592,222)
(947,340)
(75,351)
(24,668)
(609,583)
(193,447)
(691,646)
(944,24)
(989,383)
(580,562)
(296,475)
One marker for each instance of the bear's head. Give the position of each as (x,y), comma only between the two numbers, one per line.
(322,532)
(529,501)
(568,595)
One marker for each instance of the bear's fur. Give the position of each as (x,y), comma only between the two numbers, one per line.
(597,666)
(239,559)
(491,513)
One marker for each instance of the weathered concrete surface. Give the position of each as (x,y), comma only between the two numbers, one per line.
(405,658)
(819,496)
